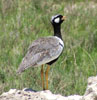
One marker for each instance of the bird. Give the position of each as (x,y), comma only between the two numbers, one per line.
(45,50)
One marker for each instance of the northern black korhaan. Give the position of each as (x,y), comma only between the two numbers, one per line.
(45,50)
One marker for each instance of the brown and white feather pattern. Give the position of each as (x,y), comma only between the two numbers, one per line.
(42,51)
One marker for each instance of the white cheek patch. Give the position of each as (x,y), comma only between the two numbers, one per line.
(57,20)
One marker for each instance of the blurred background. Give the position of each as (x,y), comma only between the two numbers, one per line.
(22,21)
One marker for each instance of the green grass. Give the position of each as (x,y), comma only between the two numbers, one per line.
(21,22)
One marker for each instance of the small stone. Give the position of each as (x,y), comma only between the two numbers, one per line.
(12,91)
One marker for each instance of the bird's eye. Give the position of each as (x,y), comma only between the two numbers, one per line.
(57,20)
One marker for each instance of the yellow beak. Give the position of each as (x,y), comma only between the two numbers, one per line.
(64,17)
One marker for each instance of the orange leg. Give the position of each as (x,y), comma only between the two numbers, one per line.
(46,76)
(42,77)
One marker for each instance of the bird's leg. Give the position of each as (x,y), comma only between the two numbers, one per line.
(46,76)
(42,77)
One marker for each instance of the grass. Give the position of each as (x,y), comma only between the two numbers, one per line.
(21,22)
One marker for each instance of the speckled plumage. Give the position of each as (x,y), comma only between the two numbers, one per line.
(41,51)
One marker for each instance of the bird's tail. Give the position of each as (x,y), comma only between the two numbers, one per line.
(19,71)
(22,66)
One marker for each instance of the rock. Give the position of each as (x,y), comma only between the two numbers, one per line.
(14,94)
(91,91)
(29,94)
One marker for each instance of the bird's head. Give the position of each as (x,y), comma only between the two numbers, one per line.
(57,19)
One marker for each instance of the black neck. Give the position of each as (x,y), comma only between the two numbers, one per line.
(57,31)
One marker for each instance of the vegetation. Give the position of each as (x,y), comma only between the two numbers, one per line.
(22,21)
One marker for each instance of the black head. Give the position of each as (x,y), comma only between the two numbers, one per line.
(57,19)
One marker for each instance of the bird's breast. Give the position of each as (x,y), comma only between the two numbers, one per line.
(60,41)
